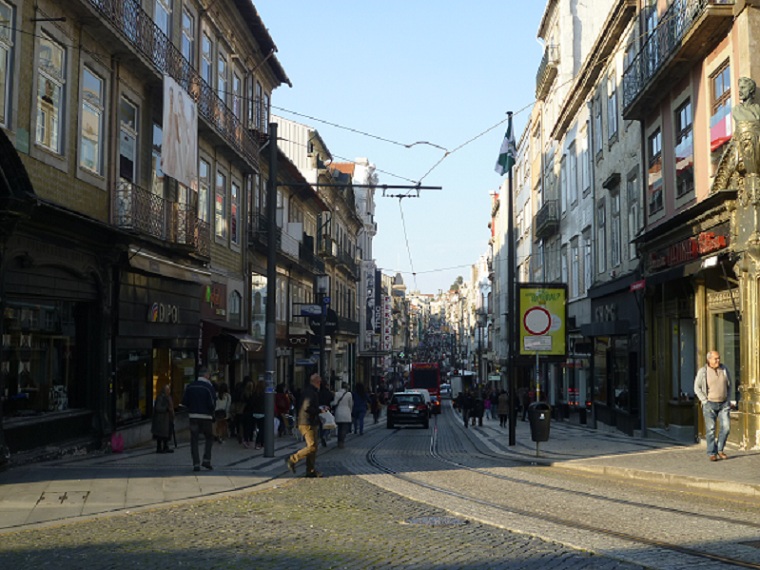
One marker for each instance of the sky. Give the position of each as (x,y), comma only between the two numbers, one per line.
(376,76)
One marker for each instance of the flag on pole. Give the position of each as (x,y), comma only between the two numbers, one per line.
(508,152)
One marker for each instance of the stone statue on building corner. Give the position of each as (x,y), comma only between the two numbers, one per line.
(747,134)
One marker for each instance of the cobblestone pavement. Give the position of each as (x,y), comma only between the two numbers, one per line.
(339,521)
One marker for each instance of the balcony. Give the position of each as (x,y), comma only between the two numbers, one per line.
(547,71)
(547,220)
(348,262)
(258,231)
(348,326)
(328,248)
(688,31)
(140,210)
(308,259)
(137,29)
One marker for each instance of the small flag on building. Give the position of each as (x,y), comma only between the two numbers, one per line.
(508,152)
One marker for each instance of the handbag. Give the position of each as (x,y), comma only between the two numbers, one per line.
(328,420)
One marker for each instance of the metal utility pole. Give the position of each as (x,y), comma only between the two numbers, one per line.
(511,306)
(270,338)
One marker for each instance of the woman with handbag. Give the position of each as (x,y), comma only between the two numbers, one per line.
(342,405)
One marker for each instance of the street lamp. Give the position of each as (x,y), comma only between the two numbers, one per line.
(323,300)
(481,316)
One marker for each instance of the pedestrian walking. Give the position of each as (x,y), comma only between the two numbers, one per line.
(374,407)
(466,404)
(200,401)
(281,408)
(714,388)
(325,399)
(343,405)
(308,426)
(503,408)
(163,420)
(524,396)
(222,413)
(361,404)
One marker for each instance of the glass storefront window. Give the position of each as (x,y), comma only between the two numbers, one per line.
(39,361)
(132,372)
(726,341)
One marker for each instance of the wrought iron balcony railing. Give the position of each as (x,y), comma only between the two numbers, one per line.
(258,232)
(547,219)
(140,210)
(309,260)
(345,259)
(687,32)
(138,29)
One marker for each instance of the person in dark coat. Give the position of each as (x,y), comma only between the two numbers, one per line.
(466,403)
(163,419)
(325,401)
(200,401)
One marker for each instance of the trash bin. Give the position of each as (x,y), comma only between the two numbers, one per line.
(539,416)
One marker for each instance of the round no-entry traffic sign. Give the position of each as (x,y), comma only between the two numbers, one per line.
(537,321)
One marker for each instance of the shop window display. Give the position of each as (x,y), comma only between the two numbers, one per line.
(39,359)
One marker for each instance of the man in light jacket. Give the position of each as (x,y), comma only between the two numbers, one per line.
(714,388)
(200,401)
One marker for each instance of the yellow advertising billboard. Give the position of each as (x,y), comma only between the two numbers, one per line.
(542,314)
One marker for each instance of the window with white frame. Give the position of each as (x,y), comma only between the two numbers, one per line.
(615,228)
(204,189)
(221,75)
(601,238)
(597,106)
(234,308)
(684,150)
(220,206)
(574,268)
(634,209)
(588,272)
(259,111)
(51,73)
(721,128)
(7,25)
(237,95)
(585,167)
(563,185)
(128,122)
(654,156)
(91,125)
(187,42)
(572,175)
(158,180)
(612,106)
(162,15)
(234,212)
(207,65)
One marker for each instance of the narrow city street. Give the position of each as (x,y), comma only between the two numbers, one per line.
(410,498)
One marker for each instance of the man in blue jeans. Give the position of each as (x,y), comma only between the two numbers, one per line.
(200,401)
(714,388)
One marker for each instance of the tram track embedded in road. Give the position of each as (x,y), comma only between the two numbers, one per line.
(374,459)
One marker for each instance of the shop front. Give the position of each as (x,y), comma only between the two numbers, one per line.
(690,291)
(614,348)
(158,337)
(53,344)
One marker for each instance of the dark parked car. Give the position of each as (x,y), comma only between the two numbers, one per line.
(407,408)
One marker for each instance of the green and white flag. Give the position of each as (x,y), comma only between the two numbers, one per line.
(508,152)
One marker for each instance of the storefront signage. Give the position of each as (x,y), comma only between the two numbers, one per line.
(163,313)
(689,249)
(214,302)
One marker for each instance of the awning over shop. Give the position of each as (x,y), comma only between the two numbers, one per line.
(247,342)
